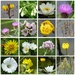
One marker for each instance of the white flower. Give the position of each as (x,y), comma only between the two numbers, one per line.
(26,47)
(33,46)
(49,68)
(46,9)
(22,13)
(20,10)
(9,65)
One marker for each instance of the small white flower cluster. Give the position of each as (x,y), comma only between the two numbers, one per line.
(26,46)
(48,44)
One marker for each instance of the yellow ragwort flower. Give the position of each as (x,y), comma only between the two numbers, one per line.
(46,27)
(42,59)
(65,45)
(29,70)
(27,62)
(5,8)
(10,47)
(11,6)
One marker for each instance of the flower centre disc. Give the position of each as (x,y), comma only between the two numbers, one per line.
(47,9)
(26,49)
(11,47)
(8,65)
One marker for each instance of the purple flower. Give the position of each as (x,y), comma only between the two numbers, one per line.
(5,30)
(15,24)
(24,32)
(48,44)
(65,8)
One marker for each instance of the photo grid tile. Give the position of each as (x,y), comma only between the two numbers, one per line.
(37,37)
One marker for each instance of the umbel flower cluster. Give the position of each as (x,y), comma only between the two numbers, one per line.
(28,46)
(28,28)
(48,44)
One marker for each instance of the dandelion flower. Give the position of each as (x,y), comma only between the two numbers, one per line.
(65,45)
(9,65)
(47,9)
(10,47)
(29,70)
(12,6)
(5,8)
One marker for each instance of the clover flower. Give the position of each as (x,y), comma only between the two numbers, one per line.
(15,24)
(9,65)
(48,44)
(47,9)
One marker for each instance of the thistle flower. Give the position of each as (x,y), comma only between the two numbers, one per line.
(5,31)
(65,9)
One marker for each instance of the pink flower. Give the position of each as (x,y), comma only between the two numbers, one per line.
(5,30)
(48,44)
(15,24)
(65,8)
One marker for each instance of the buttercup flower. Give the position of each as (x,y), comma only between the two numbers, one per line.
(46,28)
(49,68)
(10,47)
(42,59)
(5,31)
(5,8)
(47,9)
(11,6)
(33,46)
(65,10)
(9,65)
(65,45)
(28,63)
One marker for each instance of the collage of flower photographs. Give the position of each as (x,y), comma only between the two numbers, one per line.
(37,37)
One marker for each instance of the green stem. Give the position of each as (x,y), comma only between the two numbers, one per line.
(45,52)
(66,52)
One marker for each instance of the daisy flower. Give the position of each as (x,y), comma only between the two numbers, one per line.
(10,47)
(33,46)
(9,65)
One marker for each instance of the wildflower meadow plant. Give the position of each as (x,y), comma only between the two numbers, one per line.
(28,29)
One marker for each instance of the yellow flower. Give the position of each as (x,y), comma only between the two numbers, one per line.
(28,63)
(11,6)
(42,59)
(10,47)
(29,70)
(5,8)
(46,27)
(65,45)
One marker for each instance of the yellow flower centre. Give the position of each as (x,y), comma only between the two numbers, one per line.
(47,9)
(26,49)
(42,59)
(11,47)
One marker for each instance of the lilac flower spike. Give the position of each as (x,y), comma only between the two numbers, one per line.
(5,30)
(65,8)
